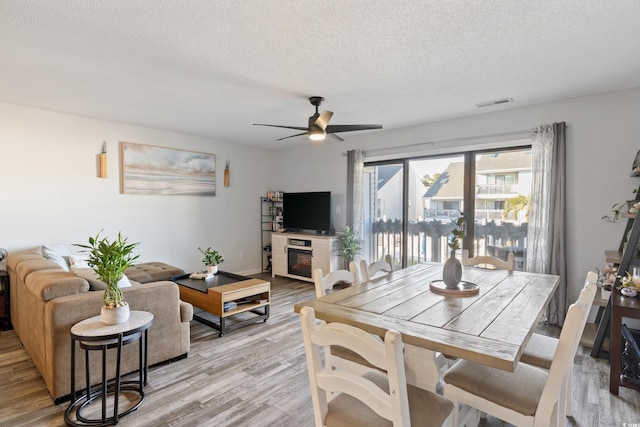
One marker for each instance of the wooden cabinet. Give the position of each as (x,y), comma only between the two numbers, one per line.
(5,313)
(296,255)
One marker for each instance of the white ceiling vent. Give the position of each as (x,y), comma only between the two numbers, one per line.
(494,102)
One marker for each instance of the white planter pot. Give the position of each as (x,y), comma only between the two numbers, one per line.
(114,316)
(213,269)
(604,293)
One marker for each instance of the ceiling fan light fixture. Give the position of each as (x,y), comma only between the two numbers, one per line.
(319,127)
(316,134)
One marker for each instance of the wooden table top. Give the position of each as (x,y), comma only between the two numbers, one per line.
(491,328)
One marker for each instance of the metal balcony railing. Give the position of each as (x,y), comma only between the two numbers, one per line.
(497,189)
(428,240)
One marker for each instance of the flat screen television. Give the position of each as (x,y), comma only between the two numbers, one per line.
(305,212)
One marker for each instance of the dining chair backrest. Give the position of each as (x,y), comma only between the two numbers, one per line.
(323,283)
(541,350)
(565,352)
(390,401)
(373,270)
(354,268)
(484,260)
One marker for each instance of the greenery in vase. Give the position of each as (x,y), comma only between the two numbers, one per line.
(617,209)
(457,233)
(347,245)
(211,256)
(110,259)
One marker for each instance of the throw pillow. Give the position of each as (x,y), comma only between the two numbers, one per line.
(58,253)
(79,260)
(96,284)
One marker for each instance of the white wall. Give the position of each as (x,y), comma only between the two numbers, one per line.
(603,136)
(51,193)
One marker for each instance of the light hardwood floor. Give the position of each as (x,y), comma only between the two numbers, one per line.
(256,376)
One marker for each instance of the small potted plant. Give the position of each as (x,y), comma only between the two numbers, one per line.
(617,209)
(212,259)
(606,279)
(110,260)
(347,245)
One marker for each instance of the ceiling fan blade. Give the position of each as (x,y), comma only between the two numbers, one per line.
(350,128)
(323,120)
(336,136)
(281,126)
(292,136)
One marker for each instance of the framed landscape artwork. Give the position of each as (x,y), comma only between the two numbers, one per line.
(147,169)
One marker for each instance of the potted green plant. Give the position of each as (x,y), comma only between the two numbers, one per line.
(212,258)
(110,259)
(452,269)
(347,245)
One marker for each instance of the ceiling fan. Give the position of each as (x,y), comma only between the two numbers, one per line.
(319,126)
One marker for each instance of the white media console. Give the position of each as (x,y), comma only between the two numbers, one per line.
(295,255)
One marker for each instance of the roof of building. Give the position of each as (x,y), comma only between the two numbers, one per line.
(449,184)
(385,173)
(504,161)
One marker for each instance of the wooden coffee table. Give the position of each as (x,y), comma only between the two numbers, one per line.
(239,293)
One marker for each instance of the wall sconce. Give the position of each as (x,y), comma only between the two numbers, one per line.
(226,174)
(103,161)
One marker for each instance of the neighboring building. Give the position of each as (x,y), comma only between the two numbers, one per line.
(499,177)
(388,197)
(444,199)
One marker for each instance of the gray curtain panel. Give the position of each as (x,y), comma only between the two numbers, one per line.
(546,239)
(355,201)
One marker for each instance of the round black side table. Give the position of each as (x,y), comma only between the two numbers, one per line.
(93,335)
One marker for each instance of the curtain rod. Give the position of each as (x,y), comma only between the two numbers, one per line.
(442,141)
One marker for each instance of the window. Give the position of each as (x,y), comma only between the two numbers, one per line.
(416,200)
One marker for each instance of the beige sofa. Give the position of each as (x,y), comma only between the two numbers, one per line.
(47,300)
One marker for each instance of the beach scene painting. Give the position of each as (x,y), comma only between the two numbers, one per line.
(147,169)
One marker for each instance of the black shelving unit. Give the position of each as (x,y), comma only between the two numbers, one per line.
(271,217)
(625,258)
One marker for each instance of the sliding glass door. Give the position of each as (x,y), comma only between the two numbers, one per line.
(411,205)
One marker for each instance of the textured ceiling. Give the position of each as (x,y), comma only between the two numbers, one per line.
(213,68)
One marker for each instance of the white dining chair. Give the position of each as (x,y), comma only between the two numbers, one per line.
(487,260)
(324,283)
(541,349)
(354,268)
(375,269)
(342,356)
(342,397)
(529,396)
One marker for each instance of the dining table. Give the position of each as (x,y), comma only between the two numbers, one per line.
(491,327)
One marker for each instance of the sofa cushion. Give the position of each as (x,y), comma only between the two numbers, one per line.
(95,284)
(152,272)
(50,284)
(29,265)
